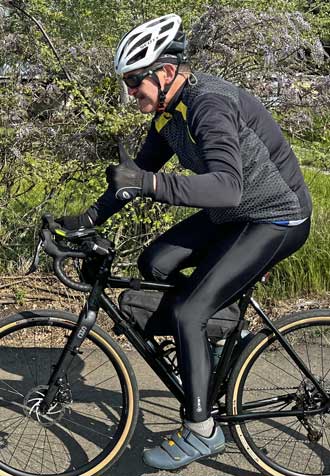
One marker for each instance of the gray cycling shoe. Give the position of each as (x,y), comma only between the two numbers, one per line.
(183,447)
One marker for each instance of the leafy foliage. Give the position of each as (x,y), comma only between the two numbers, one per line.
(277,56)
(61,110)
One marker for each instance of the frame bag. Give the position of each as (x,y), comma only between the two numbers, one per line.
(150,311)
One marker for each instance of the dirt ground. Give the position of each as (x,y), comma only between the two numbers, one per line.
(41,291)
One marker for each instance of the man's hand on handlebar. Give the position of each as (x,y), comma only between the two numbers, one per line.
(77,244)
(75,222)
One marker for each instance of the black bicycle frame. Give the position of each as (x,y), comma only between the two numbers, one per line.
(295,357)
(148,349)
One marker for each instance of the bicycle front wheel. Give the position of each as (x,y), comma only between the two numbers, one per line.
(266,379)
(92,420)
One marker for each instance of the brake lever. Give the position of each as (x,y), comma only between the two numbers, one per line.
(90,247)
(36,258)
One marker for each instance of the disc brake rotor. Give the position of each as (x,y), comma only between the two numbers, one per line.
(32,403)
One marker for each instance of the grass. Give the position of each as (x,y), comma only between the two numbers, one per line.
(307,272)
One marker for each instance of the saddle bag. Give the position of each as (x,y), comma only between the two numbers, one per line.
(150,311)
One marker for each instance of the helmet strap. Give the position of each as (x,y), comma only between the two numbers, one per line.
(163,92)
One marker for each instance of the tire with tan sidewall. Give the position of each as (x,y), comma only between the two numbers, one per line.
(240,372)
(124,370)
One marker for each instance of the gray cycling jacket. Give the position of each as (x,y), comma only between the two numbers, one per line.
(245,169)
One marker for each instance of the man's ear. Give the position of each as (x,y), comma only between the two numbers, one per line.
(170,70)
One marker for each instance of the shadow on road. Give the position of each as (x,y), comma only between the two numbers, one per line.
(158,409)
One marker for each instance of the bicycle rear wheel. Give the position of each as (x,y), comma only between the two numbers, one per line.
(266,379)
(90,425)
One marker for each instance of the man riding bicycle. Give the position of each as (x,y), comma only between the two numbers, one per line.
(255,206)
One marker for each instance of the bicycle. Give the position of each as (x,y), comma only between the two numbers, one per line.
(69,397)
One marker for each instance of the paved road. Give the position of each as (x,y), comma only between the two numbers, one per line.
(158,417)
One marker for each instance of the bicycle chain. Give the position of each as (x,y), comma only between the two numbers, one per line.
(284,440)
(269,388)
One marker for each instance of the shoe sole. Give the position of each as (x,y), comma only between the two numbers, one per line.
(178,469)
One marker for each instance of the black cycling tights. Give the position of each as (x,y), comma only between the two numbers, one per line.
(227,259)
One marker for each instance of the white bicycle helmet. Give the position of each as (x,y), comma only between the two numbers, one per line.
(143,45)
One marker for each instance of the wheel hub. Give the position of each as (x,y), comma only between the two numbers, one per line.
(308,398)
(32,402)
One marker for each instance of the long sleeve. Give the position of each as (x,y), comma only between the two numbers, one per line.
(214,124)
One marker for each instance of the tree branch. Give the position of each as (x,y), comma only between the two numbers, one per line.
(12,3)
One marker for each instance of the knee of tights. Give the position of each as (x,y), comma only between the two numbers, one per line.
(148,268)
(181,318)
(185,319)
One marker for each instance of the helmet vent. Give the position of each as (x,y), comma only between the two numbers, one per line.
(159,43)
(138,56)
(152,24)
(139,43)
(166,27)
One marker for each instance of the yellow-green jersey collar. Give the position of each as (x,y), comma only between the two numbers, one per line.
(163,119)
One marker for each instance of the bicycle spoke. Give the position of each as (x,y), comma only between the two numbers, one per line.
(93,416)
(265,380)
(51,452)
(43,453)
(287,440)
(90,430)
(35,460)
(21,417)
(33,448)
(328,441)
(84,423)
(281,368)
(26,424)
(307,353)
(308,461)
(322,362)
(82,377)
(84,359)
(27,444)
(272,428)
(11,389)
(26,359)
(292,451)
(102,382)
(35,358)
(293,446)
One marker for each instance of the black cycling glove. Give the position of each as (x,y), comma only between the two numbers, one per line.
(75,222)
(129,181)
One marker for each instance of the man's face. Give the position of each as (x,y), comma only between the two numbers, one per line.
(146,93)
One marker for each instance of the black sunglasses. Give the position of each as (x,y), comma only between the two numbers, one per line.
(134,80)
